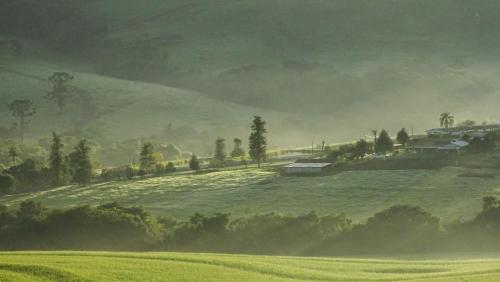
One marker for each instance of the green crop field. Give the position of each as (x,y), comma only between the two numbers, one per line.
(89,266)
(246,192)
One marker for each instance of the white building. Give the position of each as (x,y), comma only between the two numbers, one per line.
(306,168)
(473,131)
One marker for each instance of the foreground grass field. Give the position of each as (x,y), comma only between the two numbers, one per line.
(83,266)
(246,192)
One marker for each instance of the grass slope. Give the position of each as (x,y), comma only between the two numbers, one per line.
(347,66)
(246,192)
(124,109)
(365,63)
(90,266)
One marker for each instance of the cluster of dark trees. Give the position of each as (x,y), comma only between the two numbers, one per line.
(397,230)
(481,145)
(31,174)
(257,144)
(111,226)
(382,143)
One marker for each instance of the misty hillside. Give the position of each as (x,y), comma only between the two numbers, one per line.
(113,109)
(332,69)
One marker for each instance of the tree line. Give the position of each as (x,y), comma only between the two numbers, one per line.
(382,144)
(78,167)
(401,229)
(257,143)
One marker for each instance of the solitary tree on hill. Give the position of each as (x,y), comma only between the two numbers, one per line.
(81,164)
(446,120)
(57,160)
(403,137)
(384,143)
(147,157)
(237,151)
(257,140)
(60,91)
(220,150)
(22,109)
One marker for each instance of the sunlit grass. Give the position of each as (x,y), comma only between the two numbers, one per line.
(90,266)
(246,192)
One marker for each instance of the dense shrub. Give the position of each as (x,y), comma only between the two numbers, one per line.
(108,227)
(7,183)
(278,234)
(170,168)
(397,230)
(31,175)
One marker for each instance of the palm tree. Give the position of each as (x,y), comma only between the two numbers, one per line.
(446,120)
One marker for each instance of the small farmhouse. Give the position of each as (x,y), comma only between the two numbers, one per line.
(306,168)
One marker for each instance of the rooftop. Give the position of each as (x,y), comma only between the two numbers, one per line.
(304,165)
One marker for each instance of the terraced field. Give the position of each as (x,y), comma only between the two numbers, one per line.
(247,192)
(89,266)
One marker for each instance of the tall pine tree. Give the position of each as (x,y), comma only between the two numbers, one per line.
(257,140)
(220,150)
(403,137)
(147,157)
(384,143)
(57,161)
(81,164)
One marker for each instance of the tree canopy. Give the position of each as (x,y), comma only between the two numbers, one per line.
(257,140)
(384,143)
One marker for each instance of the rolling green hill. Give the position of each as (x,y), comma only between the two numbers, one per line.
(324,70)
(359,194)
(91,266)
(398,63)
(113,109)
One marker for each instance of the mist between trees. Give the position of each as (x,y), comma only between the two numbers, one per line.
(397,230)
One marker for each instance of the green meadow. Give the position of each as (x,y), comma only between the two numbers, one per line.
(443,192)
(90,266)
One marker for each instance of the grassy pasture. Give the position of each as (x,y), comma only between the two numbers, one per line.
(125,109)
(83,266)
(443,192)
